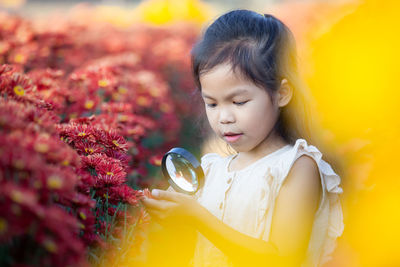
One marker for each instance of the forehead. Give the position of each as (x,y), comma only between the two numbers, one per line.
(222,80)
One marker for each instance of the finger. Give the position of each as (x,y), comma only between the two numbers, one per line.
(161,219)
(167,195)
(170,189)
(156,216)
(155,204)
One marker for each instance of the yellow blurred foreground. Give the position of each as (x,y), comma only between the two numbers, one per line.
(352,70)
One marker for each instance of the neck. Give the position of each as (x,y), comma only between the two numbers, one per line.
(270,144)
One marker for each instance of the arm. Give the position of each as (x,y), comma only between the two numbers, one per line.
(239,247)
(171,208)
(285,244)
(297,202)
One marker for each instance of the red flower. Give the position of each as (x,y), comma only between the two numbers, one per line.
(125,194)
(82,131)
(47,79)
(115,141)
(92,161)
(129,93)
(87,222)
(87,148)
(83,120)
(110,173)
(5,68)
(20,84)
(122,157)
(156,160)
(110,179)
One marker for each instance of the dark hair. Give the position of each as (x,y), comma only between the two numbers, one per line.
(263,49)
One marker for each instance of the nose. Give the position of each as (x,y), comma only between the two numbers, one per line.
(226,116)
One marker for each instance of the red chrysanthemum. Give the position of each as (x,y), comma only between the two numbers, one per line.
(125,194)
(115,141)
(19,85)
(5,68)
(86,148)
(92,161)
(110,173)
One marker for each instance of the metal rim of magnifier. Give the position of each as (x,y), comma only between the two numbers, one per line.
(194,164)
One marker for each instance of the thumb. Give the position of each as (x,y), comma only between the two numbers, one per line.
(166,195)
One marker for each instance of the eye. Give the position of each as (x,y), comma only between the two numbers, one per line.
(211,105)
(240,103)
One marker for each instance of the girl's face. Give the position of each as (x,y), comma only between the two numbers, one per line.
(238,111)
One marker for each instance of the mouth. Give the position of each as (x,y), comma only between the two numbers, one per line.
(232,137)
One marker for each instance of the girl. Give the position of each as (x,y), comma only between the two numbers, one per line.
(275,201)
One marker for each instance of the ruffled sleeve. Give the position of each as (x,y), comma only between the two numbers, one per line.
(328,221)
(207,161)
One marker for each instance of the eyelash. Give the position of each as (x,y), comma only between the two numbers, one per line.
(240,103)
(236,103)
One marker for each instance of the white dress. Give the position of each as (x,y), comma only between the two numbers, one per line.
(245,201)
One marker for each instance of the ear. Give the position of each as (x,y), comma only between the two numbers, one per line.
(285,93)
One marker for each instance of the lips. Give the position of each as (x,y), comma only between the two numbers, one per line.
(232,137)
(230,133)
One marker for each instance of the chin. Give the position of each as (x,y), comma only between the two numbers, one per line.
(239,148)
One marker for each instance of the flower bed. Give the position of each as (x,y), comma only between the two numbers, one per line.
(82,118)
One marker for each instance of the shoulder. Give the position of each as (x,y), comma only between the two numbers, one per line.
(208,160)
(210,156)
(297,201)
(301,162)
(306,166)
(301,184)
(303,175)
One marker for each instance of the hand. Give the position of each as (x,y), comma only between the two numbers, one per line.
(171,207)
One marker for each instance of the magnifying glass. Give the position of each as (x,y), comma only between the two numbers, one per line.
(183,171)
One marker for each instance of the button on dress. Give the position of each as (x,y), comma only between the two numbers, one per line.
(245,201)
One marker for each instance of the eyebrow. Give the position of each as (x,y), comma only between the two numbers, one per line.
(237,92)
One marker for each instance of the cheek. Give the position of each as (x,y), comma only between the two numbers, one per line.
(211,117)
(260,118)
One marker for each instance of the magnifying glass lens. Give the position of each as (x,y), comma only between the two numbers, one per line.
(181,172)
